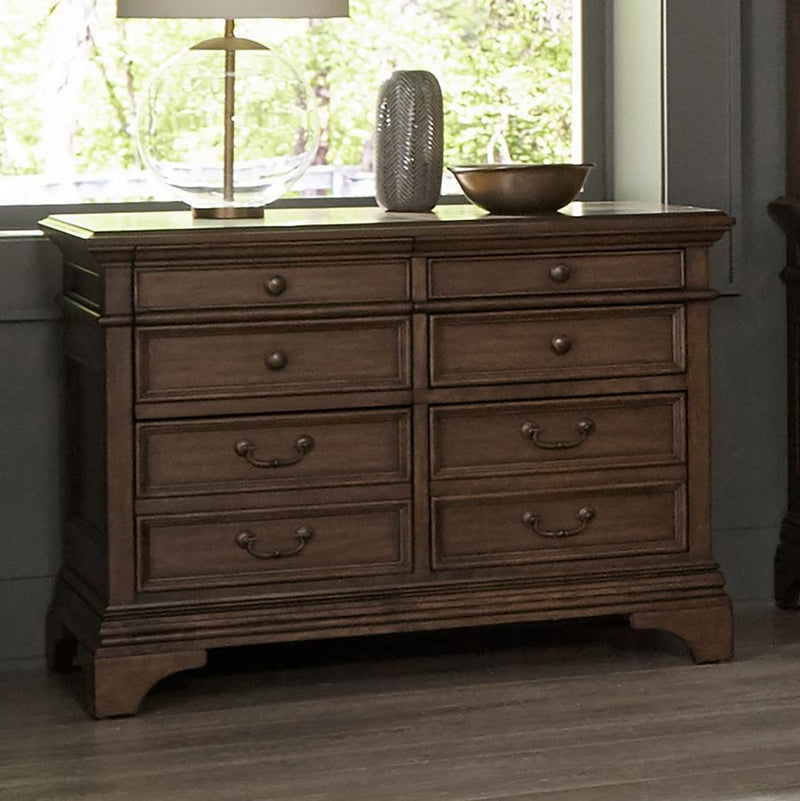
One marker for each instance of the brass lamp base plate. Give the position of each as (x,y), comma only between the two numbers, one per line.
(229,213)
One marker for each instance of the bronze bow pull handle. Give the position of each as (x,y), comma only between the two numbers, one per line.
(246,449)
(533,433)
(585,515)
(247,541)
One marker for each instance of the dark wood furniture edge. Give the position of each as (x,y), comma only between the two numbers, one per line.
(785,210)
(787,564)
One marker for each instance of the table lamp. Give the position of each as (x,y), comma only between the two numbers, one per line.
(229,125)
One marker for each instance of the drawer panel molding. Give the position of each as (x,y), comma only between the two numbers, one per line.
(308,357)
(511,347)
(506,529)
(493,439)
(273,452)
(304,543)
(292,284)
(499,276)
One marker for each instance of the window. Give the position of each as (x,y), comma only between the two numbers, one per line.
(505,67)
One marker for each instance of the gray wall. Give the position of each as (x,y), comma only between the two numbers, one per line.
(30,429)
(710,131)
(749,330)
(748,343)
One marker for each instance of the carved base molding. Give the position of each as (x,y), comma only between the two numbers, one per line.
(706,629)
(123,652)
(117,685)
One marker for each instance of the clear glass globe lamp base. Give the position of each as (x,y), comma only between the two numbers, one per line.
(228,141)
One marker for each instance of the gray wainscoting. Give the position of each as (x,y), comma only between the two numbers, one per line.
(30,435)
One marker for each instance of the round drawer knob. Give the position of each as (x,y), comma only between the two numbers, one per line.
(560,273)
(277,360)
(560,345)
(276,285)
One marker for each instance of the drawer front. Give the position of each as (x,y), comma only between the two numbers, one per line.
(519,528)
(508,347)
(232,361)
(549,436)
(497,276)
(281,451)
(203,551)
(277,285)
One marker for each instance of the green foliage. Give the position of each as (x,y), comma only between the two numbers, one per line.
(73,74)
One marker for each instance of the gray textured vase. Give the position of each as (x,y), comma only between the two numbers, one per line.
(409,142)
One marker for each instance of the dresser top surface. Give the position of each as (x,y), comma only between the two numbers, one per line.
(368,222)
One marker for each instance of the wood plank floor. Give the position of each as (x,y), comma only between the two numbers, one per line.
(580,711)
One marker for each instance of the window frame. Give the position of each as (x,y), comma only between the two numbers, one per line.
(688,94)
(592,16)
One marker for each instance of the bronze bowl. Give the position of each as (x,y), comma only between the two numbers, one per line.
(521,188)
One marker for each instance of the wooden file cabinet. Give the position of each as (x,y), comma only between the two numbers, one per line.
(342,422)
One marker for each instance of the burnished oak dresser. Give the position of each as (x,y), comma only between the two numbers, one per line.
(343,421)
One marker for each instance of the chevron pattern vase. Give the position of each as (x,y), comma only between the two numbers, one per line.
(409,142)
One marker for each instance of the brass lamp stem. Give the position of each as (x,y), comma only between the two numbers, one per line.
(230,44)
(230,105)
